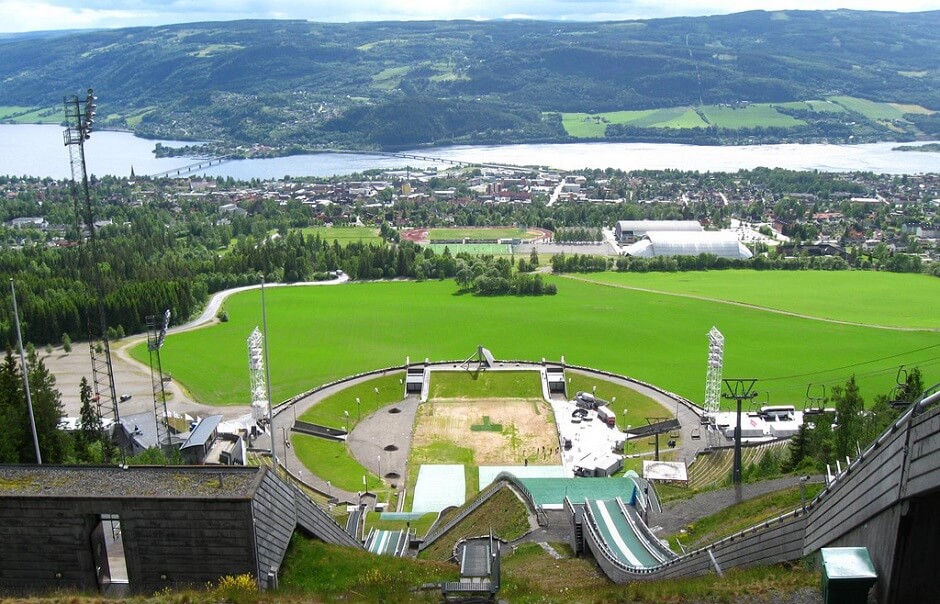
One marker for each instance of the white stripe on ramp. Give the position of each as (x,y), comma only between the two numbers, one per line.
(621,545)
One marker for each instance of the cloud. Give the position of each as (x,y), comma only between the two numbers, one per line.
(20,15)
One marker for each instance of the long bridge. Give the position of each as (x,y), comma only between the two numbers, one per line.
(216,161)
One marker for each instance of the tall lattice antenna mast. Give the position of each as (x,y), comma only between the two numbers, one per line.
(716,354)
(79,118)
(156,333)
(256,376)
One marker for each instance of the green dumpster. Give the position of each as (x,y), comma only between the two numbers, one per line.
(847,575)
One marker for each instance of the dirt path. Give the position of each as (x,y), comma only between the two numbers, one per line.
(133,378)
(751,306)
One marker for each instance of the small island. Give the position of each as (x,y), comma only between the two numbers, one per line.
(928,148)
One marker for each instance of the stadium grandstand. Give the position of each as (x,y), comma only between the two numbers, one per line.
(629,231)
(688,243)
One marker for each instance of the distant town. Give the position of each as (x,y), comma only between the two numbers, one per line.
(856,216)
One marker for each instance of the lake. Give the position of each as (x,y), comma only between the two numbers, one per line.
(37,150)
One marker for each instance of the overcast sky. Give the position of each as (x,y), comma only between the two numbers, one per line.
(33,15)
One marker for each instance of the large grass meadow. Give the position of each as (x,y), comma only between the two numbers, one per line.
(318,334)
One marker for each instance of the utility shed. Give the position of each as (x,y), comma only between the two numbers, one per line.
(141,529)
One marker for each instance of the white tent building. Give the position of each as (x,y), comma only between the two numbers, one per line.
(688,243)
(628,231)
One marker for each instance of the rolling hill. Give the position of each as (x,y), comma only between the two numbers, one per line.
(299,85)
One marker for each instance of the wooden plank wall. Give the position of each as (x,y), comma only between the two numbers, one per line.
(167,542)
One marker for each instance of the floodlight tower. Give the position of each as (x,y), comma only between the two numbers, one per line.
(256,376)
(156,333)
(79,118)
(716,354)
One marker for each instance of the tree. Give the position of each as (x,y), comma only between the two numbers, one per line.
(17,445)
(849,406)
(66,343)
(91,426)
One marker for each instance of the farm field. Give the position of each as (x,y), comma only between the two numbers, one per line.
(891,299)
(593,125)
(344,235)
(319,334)
(752,116)
(31,115)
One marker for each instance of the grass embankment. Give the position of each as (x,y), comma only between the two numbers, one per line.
(318,334)
(421,525)
(475,384)
(737,517)
(504,514)
(371,395)
(331,460)
(324,572)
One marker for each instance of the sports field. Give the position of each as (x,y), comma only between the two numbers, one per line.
(480,233)
(344,235)
(319,334)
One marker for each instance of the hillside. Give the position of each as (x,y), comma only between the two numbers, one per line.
(298,85)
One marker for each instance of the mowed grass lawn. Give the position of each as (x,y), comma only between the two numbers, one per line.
(344,235)
(484,384)
(319,334)
(891,299)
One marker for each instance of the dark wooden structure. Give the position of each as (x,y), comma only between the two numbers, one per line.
(147,528)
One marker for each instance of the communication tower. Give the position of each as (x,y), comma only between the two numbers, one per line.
(79,118)
(716,354)
(156,333)
(256,376)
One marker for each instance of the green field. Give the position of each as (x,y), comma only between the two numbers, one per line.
(480,233)
(593,125)
(752,116)
(484,384)
(318,334)
(31,115)
(331,411)
(890,299)
(870,109)
(344,235)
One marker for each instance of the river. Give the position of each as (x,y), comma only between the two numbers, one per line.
(37,150)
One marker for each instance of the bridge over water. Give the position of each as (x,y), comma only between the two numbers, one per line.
(203,164)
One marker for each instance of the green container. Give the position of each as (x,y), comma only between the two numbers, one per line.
(847,575)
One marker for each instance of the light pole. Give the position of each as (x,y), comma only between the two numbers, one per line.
(329,489)
(25,370)
(359,408)
(346,421)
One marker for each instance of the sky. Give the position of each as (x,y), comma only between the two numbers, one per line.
(37,15)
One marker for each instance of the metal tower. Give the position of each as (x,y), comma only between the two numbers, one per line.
(256,376)
(156,333)
(79,117)
(716,355)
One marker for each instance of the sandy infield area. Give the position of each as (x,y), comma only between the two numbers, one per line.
(528,429)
